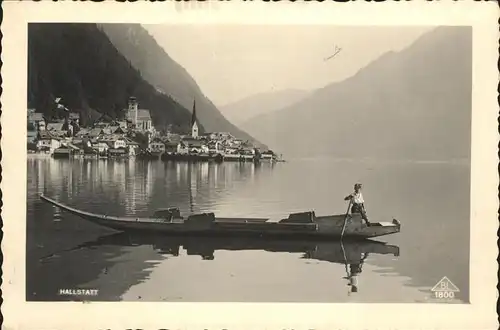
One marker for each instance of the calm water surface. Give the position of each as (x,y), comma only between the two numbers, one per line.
(63,251)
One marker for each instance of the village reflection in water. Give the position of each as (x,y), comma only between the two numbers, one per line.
(135,185)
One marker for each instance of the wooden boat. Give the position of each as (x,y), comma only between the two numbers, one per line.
(304,224)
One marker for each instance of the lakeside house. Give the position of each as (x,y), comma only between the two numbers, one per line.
(156,146)
(132,146)
(46,141)
(193,145)
(100,146)
(114,141)
(172,147)
(35,120)
(32,135)
(215,147)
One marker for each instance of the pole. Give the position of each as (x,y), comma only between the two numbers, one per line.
(345,220)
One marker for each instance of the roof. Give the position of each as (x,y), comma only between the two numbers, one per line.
(32,134)
(36,116)
(174,137)
(105,118)
(43,135)
(189,138)
(55,126)
(142,115)
(194,143)
(113,129)
(101,124)
(171,144)
(131,142)
(82,131)
(111,138)
(95,132)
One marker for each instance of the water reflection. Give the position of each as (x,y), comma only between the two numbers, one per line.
(149,250)
(135,186)
(431,200)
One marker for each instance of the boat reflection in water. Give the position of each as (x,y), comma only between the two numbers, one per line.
(350,253)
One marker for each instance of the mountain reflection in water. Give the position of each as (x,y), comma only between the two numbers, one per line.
(349,253)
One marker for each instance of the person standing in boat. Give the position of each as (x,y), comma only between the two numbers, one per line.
(358,203)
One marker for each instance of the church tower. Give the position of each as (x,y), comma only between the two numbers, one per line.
(132,110)
(194,124)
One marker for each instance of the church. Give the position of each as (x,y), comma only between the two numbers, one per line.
(139,118)
(194,124)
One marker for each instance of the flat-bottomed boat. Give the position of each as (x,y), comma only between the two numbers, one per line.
(303,224)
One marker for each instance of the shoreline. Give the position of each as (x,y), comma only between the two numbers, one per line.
(165,158)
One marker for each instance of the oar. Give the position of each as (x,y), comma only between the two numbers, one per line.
(345,220)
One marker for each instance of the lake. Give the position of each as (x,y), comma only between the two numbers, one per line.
(430,199)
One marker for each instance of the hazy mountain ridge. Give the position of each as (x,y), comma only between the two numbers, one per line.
(158,68)
(415,104)
(245,109)
(78,63)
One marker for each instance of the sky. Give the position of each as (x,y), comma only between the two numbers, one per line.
(231,62)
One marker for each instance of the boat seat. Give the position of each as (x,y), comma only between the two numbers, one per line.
(301,217)
(168,214)
(203,220)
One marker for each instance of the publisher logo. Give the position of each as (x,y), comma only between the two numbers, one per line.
(445,289)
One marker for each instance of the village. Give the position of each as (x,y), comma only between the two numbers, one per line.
(135,136)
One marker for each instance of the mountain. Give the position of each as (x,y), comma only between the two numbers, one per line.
(245,109)
(158,68)
(412,104)
(78,63)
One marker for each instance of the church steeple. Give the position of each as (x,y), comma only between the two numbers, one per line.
(193,116)
(194,124)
